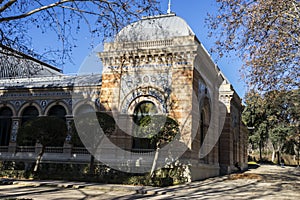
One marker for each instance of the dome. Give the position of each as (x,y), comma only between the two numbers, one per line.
(155,28)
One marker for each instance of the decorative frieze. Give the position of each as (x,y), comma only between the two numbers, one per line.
(132,81)
(149,91)
(14,130)
(23,95)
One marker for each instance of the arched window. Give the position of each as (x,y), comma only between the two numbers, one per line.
(142,110)
(145,108)
(81,117)
(57,111)
(29,113)
(204,110)
(5,125)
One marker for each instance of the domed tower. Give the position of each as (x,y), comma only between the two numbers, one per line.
(159,62)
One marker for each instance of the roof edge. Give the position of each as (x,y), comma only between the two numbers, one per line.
(158,16)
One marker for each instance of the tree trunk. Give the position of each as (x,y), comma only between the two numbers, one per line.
(154,162)
(298,154)
(260,151)
(278,157)
(92,165)
(38,160)
(273,155)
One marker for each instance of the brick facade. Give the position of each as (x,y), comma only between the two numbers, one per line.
(176,75)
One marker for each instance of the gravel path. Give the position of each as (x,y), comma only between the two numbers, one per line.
(265,182)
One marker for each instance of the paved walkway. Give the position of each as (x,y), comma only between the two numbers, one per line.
(265,182)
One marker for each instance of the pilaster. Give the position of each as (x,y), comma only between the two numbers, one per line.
(13,136)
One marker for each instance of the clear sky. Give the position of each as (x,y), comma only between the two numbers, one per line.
(194,13)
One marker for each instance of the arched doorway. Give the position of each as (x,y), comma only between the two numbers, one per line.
(5,125)
(80,116)
(143,110)
(58,111)
(29,113)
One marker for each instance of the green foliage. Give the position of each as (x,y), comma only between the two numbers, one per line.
(274,117)
(48,131)
(254,116)
(75,139)
(169,175)
(91,122)
(159,129)
(281,115)
(11,169)
(106,122)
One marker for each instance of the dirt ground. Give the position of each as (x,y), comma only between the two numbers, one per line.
(267,182)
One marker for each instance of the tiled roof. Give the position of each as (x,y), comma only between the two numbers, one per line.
(14,64)
(51,81)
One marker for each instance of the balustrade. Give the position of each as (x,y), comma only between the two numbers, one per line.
(148,44)
(25,148)
(3,148)
(79,150)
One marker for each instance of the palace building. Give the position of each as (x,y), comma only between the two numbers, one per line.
(154,66)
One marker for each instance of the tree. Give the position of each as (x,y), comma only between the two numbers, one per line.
(275,118)
(296,142)
(46,130)
(64,18)
(266,35)
(294,116)
(278,117)
(254,116)
(160,130)
(89,125)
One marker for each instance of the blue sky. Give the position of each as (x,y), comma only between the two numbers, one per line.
(193,12)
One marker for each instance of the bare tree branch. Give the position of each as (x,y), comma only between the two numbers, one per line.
(2,19)
(7,5)
(265,34)
(63,18)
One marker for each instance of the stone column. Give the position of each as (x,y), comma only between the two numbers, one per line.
(67,145)
(13,135)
